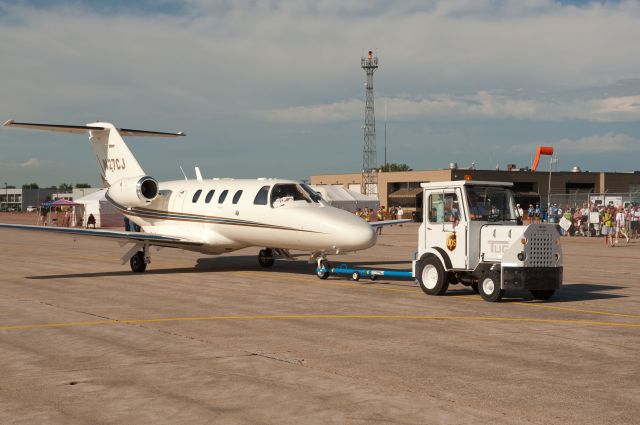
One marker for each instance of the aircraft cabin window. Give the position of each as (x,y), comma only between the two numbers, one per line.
(284,192)
(209,196)
(223,196)
(237,196)
(262,198)
(196,196)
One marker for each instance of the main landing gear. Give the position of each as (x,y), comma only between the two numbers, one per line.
(267,257)
(138,258)
(137,262)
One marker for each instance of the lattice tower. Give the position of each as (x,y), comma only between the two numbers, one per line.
(369,184)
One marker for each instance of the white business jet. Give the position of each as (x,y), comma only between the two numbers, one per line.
(211,216)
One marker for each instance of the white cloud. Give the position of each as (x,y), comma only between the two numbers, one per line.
(482,105)
(609,143)
(33,163)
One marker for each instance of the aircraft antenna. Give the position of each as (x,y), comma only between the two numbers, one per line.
(369,184)
(183,173)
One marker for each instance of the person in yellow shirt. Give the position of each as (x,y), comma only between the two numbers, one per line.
(607,226)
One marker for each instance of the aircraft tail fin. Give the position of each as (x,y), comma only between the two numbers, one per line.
(115,160)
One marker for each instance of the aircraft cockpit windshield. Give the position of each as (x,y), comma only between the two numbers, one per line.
(315,196)
(281,194)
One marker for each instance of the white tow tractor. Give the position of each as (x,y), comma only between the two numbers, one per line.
(472,235)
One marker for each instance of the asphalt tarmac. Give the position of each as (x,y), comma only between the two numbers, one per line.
(201,340)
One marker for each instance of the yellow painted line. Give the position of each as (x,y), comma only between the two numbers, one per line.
(578,310)
(322,316)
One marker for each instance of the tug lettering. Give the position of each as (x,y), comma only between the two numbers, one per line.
(498,247)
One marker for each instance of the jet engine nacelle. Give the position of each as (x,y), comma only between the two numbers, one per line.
(134,191)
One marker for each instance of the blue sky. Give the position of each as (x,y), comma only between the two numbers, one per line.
(274,88)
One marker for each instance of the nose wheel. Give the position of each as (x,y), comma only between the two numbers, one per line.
(322,270)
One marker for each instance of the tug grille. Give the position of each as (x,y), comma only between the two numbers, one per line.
(540,250)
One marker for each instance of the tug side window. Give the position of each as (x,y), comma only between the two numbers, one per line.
(444,208)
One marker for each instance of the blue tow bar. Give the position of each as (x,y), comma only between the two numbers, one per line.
(369,273)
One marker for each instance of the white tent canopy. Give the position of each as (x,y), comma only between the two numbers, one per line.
(339,197)
(106,214)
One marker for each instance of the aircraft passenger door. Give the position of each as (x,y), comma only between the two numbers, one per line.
(178,201)
(447,225)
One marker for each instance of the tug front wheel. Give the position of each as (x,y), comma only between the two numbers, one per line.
(431,276)
(137,262)
(489,287)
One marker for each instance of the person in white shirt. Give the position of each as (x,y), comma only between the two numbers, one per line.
(400,213)
(620,222)
(635,222)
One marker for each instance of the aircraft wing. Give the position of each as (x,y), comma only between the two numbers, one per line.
(389,222)
(118,235)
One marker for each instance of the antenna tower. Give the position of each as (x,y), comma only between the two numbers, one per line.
(369,184)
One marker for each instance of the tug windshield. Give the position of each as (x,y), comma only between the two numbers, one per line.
(487,203)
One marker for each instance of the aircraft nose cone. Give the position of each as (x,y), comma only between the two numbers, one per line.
(355,235)
(362,237)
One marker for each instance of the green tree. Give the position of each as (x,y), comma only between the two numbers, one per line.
(65,187)
(83,186)
(394,167)
(31,186)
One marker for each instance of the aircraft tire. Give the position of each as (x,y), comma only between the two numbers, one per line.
(431,276)
(265,258)
(542,294)
(324,264)
(137,262)
(355,276)
(489,287)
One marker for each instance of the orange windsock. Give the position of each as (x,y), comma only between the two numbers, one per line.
(542,150)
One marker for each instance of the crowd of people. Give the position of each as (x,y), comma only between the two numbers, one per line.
(611,221)
(369,215)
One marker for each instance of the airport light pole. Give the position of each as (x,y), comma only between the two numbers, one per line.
(551,162)
(6,196)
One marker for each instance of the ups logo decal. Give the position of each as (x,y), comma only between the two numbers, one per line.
(451,241)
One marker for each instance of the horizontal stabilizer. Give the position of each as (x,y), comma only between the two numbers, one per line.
(81,129)
(76,129)
(389,222)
